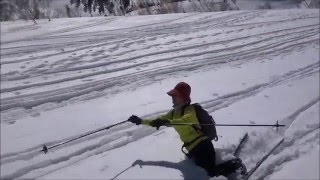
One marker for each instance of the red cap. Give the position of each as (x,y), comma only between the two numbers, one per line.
(183,90)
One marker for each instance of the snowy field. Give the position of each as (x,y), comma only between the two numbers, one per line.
(67,77)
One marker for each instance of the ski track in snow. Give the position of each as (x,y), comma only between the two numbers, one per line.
(94,62)
(60,81)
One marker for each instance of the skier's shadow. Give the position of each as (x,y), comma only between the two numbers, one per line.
(186,167)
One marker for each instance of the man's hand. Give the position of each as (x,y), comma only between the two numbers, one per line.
(159,122)
(135,119)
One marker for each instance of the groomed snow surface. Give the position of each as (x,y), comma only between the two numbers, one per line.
(67,77)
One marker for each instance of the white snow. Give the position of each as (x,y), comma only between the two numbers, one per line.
(294,168)
(68,77)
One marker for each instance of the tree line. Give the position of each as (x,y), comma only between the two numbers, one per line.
(102,6)
(40,9)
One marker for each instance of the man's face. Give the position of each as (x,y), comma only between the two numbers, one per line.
(177,101)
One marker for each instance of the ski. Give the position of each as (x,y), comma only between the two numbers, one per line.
(262,160)
(241,144)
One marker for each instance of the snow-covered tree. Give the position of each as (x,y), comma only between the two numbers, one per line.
(45,6)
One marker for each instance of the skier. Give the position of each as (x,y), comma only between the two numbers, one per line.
(200,148)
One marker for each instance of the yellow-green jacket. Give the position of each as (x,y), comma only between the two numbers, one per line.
(187,133)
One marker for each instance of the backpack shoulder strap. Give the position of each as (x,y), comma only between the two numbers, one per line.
(197,105)
(196,108)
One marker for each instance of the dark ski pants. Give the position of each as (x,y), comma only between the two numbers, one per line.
(204,156)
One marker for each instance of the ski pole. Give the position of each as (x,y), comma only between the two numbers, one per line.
(45,148)
(193,124)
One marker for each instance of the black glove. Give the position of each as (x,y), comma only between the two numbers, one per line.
(159,122)
(135,119)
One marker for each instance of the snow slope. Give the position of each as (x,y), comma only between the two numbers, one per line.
(64,78)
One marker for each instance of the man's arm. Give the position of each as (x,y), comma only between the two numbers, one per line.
(188,117)
(166,116)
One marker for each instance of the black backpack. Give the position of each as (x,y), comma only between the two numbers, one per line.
(204,118)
